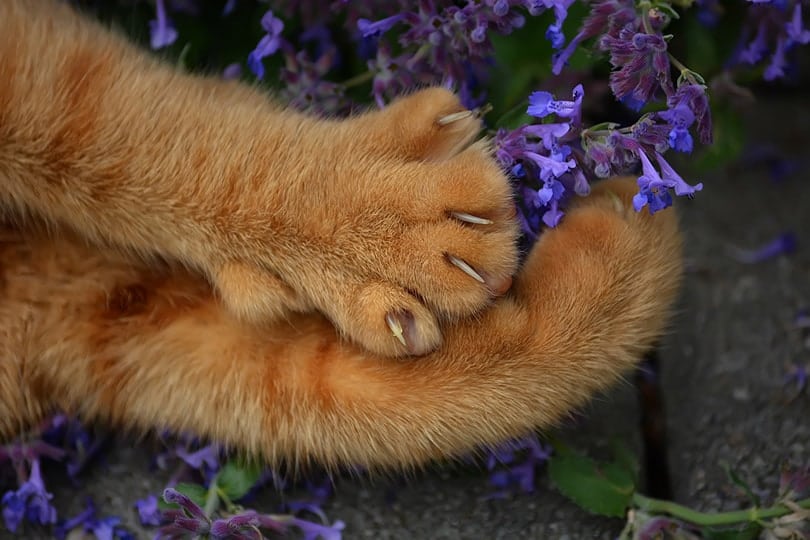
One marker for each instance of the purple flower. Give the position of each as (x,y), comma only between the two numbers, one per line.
(107,528)
(368,28)
(161,32)
(148,511)
(776,68)
(207,456)
(755,50)
(654,187)
(268,45)
(641,65)
(783,244)
(694,97)
(314,531)
(680,117)
(29,502)
(795,29)
(541,104)
(515,463)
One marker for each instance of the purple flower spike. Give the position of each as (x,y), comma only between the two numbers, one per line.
(161,32)
(784,244)
(268,45)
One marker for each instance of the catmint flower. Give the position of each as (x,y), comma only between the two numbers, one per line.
(778,63)
(268,45)
(515,463)
(148,511)
(641,65)
(694,97)
(796,31)
(368,28)
(680,117)
(161,32)
(654,187)
(756,49)
(206,457)
(606,17)
(541,104)
(783,244)
(315,531)
(30,502)
(106,528)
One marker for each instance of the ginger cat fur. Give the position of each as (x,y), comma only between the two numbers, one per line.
(181,253)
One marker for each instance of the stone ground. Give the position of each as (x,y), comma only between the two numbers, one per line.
(722,372)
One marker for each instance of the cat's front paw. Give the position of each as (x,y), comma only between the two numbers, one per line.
(434,228)
(399,224)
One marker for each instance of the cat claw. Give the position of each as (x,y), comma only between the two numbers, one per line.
(466,268)
(478,112)
(454,117)
(469,218)
(396,328)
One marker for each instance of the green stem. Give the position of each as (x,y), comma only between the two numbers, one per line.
(358,79)
(751,515)
(211,500)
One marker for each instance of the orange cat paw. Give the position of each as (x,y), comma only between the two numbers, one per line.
(394,223)
(437,240)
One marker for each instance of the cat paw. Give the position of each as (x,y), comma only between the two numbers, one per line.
(401,224)
(434,227)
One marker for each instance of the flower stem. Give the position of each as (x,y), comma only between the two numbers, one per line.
(751,515)
(358,79)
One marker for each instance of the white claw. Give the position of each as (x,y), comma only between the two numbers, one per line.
(454,117)
(469,218)
(396,328)
(466,268)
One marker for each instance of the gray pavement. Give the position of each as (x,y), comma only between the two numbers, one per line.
(723,366)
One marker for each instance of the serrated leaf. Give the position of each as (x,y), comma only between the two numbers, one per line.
(605,490)
(235,479)
(195,492)
(749,531)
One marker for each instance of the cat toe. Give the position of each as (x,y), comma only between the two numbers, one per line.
(428,125)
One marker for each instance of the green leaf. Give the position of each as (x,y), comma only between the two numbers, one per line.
(735,479)
(195,492)
(235,479)
(624,457)
(600,489)
(749,531)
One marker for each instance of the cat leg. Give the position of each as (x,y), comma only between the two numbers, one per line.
(592,297)
(388,223)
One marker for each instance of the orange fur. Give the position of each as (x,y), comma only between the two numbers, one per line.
(282,214)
